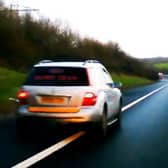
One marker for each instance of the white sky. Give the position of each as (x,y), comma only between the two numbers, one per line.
(140,27)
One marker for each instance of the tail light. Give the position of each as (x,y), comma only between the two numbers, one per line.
(89,99)
(22,96)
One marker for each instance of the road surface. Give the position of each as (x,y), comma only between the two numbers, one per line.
(140,142)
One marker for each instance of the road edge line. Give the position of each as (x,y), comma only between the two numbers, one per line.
(142,98)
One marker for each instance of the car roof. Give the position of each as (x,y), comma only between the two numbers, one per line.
(84,64)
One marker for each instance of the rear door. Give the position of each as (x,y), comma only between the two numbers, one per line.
(56,86)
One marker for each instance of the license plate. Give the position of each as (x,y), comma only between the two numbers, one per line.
(52,100)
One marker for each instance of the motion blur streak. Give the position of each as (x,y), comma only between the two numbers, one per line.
(41,155)
(77,120)
(142,98)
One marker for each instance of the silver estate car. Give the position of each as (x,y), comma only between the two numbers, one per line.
(70,92)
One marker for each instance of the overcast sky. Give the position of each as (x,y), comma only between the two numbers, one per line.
(140,27)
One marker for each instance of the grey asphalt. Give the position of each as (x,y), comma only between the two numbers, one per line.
(140,142)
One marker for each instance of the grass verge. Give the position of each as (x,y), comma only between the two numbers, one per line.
(10,81)
(130,81)
(161,66)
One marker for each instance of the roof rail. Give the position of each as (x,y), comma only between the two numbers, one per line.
(91,61)
(44,61)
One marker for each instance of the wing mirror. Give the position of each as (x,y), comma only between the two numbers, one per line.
(115,85)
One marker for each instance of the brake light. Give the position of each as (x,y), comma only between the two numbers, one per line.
(89,99)
(22,96)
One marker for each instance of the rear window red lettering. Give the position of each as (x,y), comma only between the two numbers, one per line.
(44,77)
(67,78)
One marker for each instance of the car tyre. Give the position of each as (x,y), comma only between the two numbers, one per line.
(119,115)
(21,129)
(103,124)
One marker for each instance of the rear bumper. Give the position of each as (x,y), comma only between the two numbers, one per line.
(84,115)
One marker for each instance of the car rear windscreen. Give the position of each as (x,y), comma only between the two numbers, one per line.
(58,76)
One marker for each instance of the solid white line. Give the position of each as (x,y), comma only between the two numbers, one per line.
(142,98)
(112,122)
(41,155)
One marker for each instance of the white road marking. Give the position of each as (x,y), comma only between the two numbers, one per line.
(43,154)
(112,122)
(142,98)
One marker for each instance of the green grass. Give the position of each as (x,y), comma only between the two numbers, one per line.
(10,82)
(161,66)
(130,81)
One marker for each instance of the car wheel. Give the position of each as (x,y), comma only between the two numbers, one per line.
(103,124)
(119,115)
(21,129)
